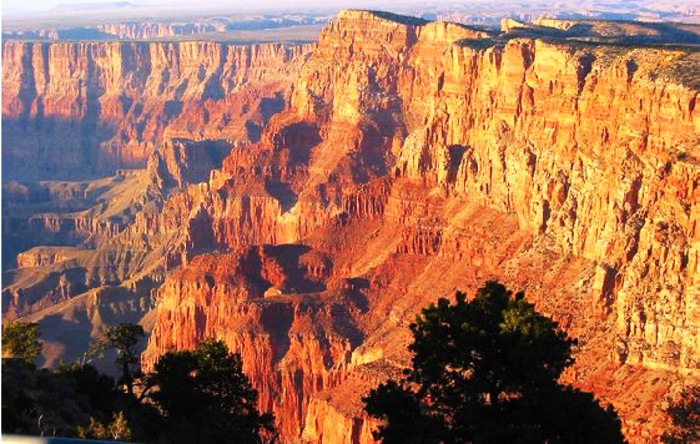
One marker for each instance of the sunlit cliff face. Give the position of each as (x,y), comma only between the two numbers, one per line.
(403,160)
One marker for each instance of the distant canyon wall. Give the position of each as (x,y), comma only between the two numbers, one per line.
(76,109)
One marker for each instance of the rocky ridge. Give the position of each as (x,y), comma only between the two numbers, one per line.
(554,166)
(413,150)
(83,109)
(71,235)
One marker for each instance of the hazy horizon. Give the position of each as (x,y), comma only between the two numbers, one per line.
(14,7)
(22,6)
(20,15)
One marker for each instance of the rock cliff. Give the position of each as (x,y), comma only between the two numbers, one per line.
(82,109)
(51,133)
(564,168)
(416,158)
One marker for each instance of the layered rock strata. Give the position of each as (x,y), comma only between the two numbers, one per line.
(566,169)
(417,158)
(50,132)
(81,109)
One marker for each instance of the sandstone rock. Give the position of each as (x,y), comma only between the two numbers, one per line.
(415,159)
(566,141)
(79,109)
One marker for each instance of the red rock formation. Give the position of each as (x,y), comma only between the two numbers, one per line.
(295,344)
(585,157)
(415,159)
(226,92)
(81,108)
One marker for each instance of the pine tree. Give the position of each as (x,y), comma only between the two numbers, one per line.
(205,397)
(124,339)
(486,371)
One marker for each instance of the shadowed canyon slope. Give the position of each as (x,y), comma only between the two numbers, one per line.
(407,159)
(159,116)
(76,110)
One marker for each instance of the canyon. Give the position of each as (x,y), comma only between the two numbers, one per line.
(303,202)
(223,28)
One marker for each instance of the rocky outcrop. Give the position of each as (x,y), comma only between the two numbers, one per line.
(418,158)
(79,109)
(402,133)
(264,302)
(227,27)
(154,30)
(51,130)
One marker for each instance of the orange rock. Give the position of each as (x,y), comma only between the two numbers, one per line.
(564,140)
(75,109)
(414,159)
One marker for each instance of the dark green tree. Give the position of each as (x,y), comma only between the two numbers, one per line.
(18,403)
(65,401)
(53,402)
(125,340)
(486,371)
(684,415)
(205,397)
(21,340)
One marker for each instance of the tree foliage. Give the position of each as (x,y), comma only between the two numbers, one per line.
(684,415)
(193,396)
(118,429)
(206,398)
(486,371)
(124,339)
(53,402)
(21,340)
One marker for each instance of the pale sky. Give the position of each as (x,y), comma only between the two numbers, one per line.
(45,5)
(10,7)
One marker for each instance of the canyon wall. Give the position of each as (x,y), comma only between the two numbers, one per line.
(236,27)
(590,147)
(415,158)
(96,111)
(173,110)
(424,157)
(155,30)
(83,109)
